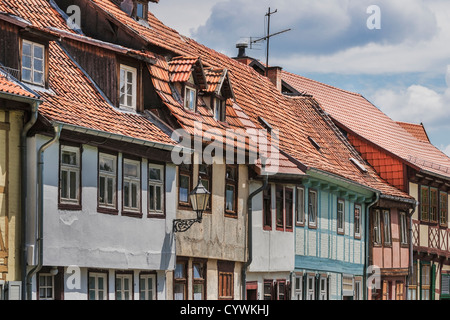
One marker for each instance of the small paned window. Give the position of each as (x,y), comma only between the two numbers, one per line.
(33,63)
(124,287)
(180,281)
(377,227)
(190,98)
(128,87)
(279,196)
(403,228)
(387,227)
(424,203)
(267,208)
(312,208)
(300,208)
(219,109)
(357,221)
(443,209)
(231,189)
(340,216)
(46,287)
(298,294)
(199,280)
(155,189)
(131,186)
(107,181)
(70,170)
(288,207)
(205,173)
(147,287)
(434,204)
(184,183)
(97,286)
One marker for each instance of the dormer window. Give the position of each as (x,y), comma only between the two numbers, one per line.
(219,109)
(128,87)
(33,63)
(190,98)
(141,10)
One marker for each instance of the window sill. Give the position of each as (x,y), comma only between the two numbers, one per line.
(155,215)
(231,215)
(132,214)
(110,211)
(70,207)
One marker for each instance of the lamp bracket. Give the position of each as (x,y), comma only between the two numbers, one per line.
(183,225)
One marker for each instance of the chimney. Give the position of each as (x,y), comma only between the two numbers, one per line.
(274,75)
(242,46)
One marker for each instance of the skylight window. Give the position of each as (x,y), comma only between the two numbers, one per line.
(358,165)
(314,143)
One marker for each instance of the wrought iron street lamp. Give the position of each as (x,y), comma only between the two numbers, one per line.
(199,198)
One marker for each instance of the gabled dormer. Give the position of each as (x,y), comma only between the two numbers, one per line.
(188,76)
(138,9)
(219,90)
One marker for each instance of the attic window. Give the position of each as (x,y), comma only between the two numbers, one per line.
(141,10)
(190,98)
(358,164)
(314,143)
(33,63)
(219,109)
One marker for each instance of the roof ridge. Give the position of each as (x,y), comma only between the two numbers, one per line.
(322,83)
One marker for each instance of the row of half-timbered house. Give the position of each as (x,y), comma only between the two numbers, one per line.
(132,116)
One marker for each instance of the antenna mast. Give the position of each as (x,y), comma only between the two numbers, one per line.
(268,36)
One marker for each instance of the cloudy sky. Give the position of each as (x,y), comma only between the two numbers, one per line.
(403,67)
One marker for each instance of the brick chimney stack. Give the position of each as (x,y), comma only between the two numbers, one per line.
(274,75)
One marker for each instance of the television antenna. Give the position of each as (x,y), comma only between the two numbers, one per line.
(268,36)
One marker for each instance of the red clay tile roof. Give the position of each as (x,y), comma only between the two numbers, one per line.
(74,100)
(361,117)
(38,12)
(10,86)
(417,130)
(257,97)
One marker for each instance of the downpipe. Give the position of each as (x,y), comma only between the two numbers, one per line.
(366,246)
(411,248)
(23,190)
(40,213)
(250,232)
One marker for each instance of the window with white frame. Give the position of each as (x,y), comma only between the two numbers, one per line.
(219,109)
(323,288)
(298,291)
(190,98)
(97,286)
(128,87)
(147,287)
(312,208)
(310,287)
(124,287)
(33,63)
(376,226)
(387,226)
(340,216)
(46,286)
(131,185)
(403,228)
(300,208)
(357,221)
(107,179)
(281,290)
(156,189)
(358,289)
(69,183)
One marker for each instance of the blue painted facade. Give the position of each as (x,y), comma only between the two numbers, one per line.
(322,251)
